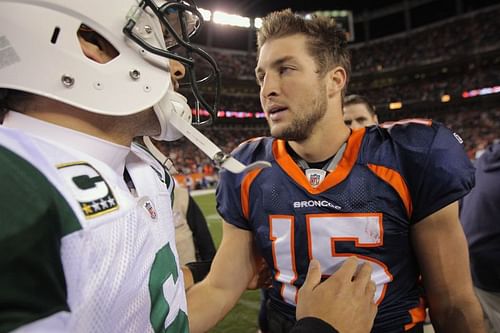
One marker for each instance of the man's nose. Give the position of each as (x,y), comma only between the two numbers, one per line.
(269,86)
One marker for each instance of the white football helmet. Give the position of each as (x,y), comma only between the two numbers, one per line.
(40,53)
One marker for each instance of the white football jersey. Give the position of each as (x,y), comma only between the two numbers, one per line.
(115,259)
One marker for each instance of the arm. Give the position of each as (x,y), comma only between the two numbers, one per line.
(441,250)
(203,243)
(344,301)
(232,268)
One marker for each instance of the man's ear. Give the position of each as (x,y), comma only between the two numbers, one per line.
(97,48)
(93,51)
(337,79)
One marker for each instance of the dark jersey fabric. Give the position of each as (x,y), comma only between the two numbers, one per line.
(388,179)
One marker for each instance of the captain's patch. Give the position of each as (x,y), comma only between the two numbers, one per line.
(89,188)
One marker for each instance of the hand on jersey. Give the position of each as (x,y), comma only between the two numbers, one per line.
(344,300)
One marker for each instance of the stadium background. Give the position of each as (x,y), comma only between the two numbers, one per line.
(437,59)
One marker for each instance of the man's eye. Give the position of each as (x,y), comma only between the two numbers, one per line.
(284,69)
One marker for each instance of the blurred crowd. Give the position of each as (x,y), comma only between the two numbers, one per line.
(462,36)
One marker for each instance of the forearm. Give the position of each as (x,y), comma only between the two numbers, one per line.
(458,317)
(233,267)
(441,249)
(195,272)
(207,305)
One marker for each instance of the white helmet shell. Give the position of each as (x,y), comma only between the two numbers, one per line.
(40,53)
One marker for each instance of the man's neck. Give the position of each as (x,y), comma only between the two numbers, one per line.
(118,130)
(321,146)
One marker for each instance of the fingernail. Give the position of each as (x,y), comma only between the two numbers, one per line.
(313,264)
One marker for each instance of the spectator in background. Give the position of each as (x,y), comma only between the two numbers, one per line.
(480,216)
(192,237)
(358,112)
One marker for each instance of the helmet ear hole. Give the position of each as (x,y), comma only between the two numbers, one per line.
(95,46)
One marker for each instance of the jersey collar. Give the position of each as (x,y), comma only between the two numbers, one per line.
(288,165)
(110,153)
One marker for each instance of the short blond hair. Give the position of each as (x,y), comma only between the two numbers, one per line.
(327,42)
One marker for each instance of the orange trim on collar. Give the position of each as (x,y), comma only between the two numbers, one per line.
(286,162)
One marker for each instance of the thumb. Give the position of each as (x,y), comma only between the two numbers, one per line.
(313,277)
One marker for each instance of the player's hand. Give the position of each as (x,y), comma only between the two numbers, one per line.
(344,300)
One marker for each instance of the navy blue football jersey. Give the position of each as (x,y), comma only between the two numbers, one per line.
(387,180)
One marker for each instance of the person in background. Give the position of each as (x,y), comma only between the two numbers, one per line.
(192,236)
(358,112)
(480,217)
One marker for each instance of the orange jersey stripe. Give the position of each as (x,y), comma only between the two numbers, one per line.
(417,315)
(245,191)
(397,182)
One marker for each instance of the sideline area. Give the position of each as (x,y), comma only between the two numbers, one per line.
(195,193)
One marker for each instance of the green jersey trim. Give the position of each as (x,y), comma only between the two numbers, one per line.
(34,218)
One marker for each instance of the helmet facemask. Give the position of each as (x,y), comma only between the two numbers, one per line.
(164,28)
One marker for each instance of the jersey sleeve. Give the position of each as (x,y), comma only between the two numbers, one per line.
(229,190)
(228,195)
(32,279)
(438,172)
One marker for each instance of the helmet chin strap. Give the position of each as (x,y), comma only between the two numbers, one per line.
(175,115)
(171,103)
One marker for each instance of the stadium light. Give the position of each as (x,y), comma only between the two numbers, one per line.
(481,92)
(445,98)
(395,105)
(206,14)
(257,23)
(231,19)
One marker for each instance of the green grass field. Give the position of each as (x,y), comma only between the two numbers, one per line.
(243,318)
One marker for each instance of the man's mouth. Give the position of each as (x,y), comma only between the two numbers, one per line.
(276,109)
(275,113)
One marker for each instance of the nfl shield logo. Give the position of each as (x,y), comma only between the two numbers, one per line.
(315,179)
(148,205)
(315,176)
